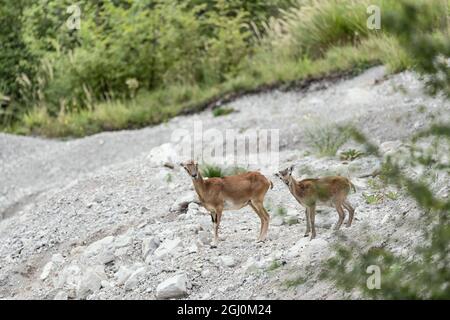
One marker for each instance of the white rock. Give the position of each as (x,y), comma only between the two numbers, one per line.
(57,258)
(205,273)
(205,237)
(61,295)
(183,201)
(389,147)
(123,241)
(296,250)
(193,206)
(277,221)
(228,261)
(254,264)
(386,218)
(192,248)
(174,287)
(101,251)
(106,284)
(166,152)
(318,243)
(121,251)
(149,245)
(123,274)
(46,270)
(168,247)
(70,277)
(294,213)
(190,213)
(133,280)
(91,281)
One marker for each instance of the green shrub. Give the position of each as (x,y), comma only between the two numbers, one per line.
(326,139)
(212,171)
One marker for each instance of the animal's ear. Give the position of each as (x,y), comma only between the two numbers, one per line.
(291,168)
(277,174)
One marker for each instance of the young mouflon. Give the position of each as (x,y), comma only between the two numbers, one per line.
(331,191)
(231,193)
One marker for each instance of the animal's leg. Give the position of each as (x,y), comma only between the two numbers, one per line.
(312,219)
(351,212)
(214,219)
(261,216)
(341,216)
(308,223)
(267,219)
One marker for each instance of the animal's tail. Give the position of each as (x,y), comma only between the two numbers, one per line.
(271,185)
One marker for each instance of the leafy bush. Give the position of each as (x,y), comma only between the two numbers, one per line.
(204,49)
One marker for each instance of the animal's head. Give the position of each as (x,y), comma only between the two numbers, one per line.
(191,168)
(285,175)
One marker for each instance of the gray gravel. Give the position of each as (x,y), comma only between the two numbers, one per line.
(59,198)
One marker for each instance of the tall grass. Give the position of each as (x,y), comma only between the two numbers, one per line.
(326,139)
(312,39)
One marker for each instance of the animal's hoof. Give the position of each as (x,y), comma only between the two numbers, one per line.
(348,225)
(213,245)
(306,234)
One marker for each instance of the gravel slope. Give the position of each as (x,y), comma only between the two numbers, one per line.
(59,198)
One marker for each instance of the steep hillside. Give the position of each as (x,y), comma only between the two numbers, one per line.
(102,217)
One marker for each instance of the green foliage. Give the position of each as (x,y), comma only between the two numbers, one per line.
(222,111)
(351,154)
(326,139)
(281,211)
(178,55)
(422,28)
(169,178)
(426,275)
(294,282)
(212,171)
(291,220)
(276,264)
(372,198)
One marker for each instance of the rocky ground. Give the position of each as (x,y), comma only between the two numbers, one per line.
(103,218)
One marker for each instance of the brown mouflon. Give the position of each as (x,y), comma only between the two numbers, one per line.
(231,193)
(330,191)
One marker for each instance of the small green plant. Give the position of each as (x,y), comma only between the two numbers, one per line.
(274,265)
(374,198)
(291,220)
(392,195)
(351,154)
(376,184)
(326,140)
(294,282)
(222,111)
(212,171)
(281,211)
